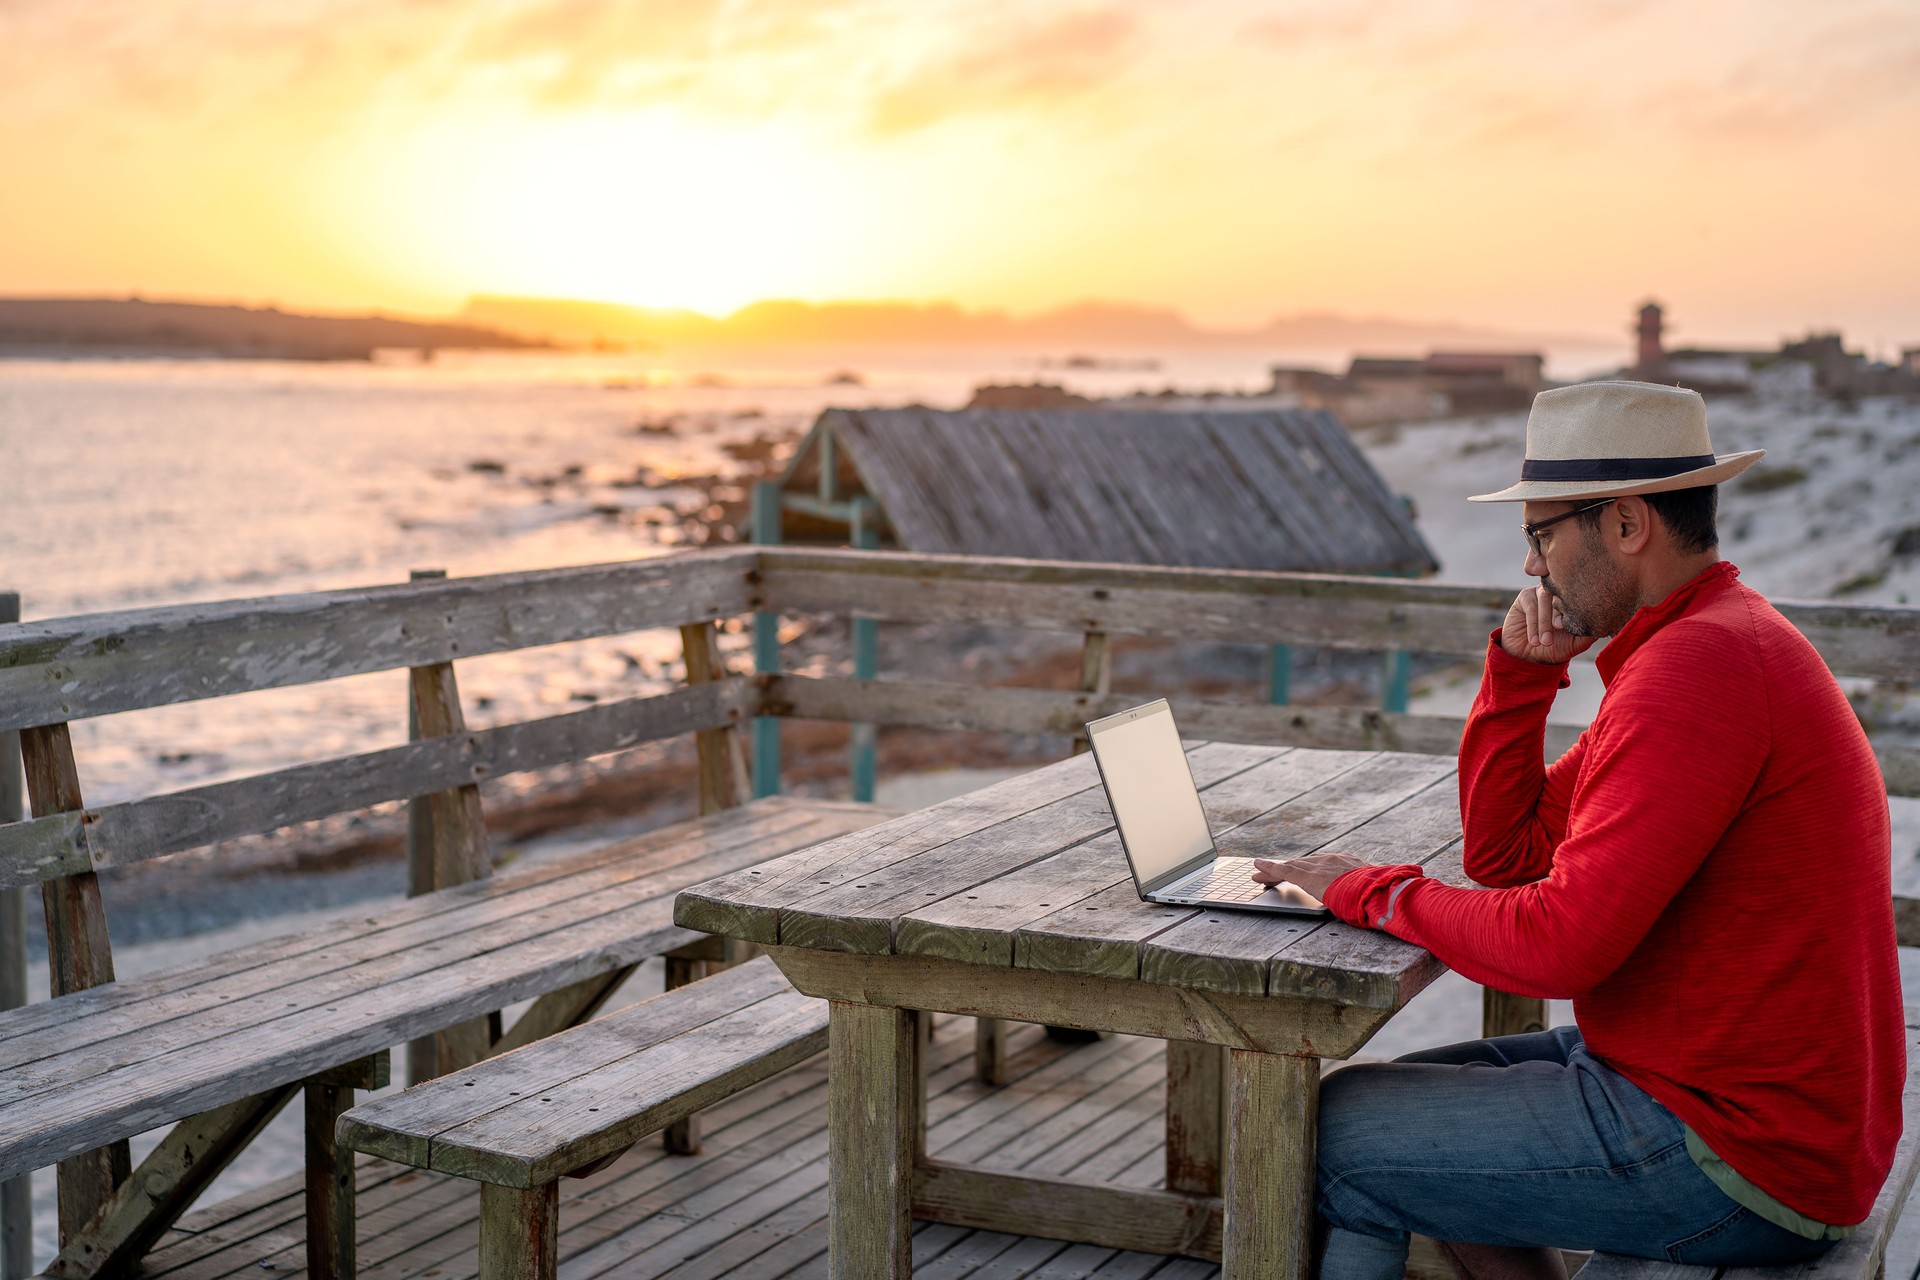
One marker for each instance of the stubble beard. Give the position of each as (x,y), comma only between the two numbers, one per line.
(1603,606)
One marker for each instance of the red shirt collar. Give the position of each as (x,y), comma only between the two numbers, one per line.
(1696,593)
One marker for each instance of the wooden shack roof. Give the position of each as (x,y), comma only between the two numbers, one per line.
(1275,489)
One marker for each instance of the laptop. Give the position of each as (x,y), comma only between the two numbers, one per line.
(1163,828)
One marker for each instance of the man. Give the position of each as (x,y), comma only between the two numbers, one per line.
(1705,874)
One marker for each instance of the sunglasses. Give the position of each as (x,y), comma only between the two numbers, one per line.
(1534,530)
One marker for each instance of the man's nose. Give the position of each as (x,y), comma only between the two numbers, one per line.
(1535,565)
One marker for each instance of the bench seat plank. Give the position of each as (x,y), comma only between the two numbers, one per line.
(528,1117)
(207,1056)
(401,1126)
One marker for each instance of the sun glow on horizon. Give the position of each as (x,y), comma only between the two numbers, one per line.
(647,209)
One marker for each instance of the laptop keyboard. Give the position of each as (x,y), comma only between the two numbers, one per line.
(1228,880)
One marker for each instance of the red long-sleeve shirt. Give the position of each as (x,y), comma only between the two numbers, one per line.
(1705,873)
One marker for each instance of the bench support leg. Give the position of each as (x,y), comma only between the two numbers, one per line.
(873,1073)
(330,1189)
(166,1183)
(519,1232)
(690,964)
(1503,1014)
(1196,1115)
(1273,1108)
(682,1137)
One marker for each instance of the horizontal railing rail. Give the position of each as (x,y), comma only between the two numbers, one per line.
(62,844)
(1870,641)
(104,663)
(923,705)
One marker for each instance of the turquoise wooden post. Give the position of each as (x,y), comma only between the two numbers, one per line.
(1396,669)
(766,646)
(865,535)
(16,1195)
(1396,675)
(1279,674)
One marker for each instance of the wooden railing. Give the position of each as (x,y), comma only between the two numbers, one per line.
(53,672)
(1211,605)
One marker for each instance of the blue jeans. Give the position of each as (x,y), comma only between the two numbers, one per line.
(1523,1140)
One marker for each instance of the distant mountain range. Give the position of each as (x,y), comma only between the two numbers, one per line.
(121,326)
(102,326)
(946,324)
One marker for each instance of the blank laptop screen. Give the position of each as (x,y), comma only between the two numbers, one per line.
(1151,787)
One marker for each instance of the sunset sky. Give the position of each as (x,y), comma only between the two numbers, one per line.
(1532,162)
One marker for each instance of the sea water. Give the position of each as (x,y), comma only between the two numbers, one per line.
(134,483)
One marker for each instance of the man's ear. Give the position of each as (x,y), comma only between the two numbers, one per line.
(1629,522)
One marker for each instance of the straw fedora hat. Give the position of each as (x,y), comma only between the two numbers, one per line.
(1609,439)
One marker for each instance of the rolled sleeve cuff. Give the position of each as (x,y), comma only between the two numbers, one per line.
(1370,896)
(1520,671)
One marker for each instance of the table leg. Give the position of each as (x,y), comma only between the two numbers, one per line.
(1196,1114)
(873,1076)
(1274,1107)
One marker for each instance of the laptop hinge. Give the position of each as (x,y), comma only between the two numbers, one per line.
(1180,872)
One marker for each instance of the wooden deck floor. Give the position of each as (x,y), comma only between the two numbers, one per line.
(753,1204)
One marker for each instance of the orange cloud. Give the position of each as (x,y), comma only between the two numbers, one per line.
(1037,66)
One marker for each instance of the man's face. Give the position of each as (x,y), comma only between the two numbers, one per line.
(1576,568)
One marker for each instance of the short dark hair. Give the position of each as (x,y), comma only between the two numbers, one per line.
(1688,514)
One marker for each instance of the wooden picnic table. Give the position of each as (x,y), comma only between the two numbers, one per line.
(1015,902)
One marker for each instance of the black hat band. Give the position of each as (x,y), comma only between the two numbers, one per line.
(1611,468)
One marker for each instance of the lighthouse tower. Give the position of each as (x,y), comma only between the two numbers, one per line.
(1651,362)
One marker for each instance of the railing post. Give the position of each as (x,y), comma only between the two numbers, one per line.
(864,533)
(1096,676)
(422,1059)
(766,646)
(16,1195)
(79,956)
(447,847)
(1396,674)
(1396,671)
(1279,674)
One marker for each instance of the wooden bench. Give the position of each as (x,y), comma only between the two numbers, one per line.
(220,1047)
(571,1104)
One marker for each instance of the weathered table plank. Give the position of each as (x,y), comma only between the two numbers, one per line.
(747,904)
(681,843)
(979,924)
(347,1015)
(1231,950)
(460,921)
(860,916)
(361,964)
